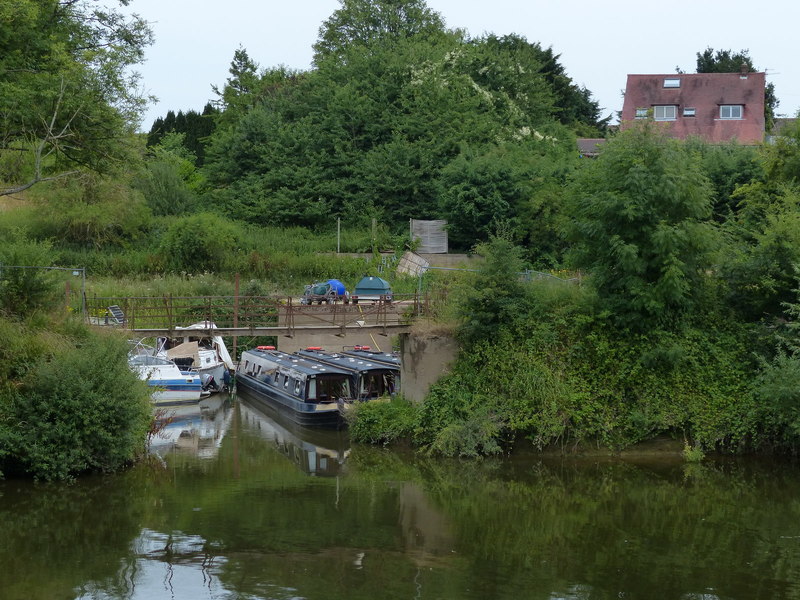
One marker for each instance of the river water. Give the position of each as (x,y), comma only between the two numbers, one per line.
(237,504)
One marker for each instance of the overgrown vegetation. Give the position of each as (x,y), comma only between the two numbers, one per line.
(69,404)
(680,321)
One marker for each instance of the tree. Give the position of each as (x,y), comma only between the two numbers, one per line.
(537,81)
(495,298)
(238,94)
(728,61)
(640,226)
(365,23)
(67,94)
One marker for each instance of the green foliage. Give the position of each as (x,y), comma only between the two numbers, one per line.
(94,212)
(364,23)
(75,404)
(199,243)
(640,226)
(25,290)
(559,372)
(193,127)
(68,96)
(378,129)
(495,297)
(382,422)
(777,391)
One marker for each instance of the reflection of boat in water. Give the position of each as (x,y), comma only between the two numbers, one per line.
(195,428)
(315,451)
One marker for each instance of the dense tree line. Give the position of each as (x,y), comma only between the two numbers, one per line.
(399,118)
(686,253)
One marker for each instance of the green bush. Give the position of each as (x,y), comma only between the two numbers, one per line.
(198,243)
(382,422)
(24,286)
(77,408)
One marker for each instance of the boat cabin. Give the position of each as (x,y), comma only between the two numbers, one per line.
(304,380)
(370,379)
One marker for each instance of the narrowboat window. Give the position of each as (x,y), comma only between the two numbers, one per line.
(312,389)
(277,377)
(286,382)
(331,388)
(297,388)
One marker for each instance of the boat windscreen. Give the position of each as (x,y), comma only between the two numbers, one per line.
(376,384)
(328,388)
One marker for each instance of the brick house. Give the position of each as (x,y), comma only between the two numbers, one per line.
(717,107)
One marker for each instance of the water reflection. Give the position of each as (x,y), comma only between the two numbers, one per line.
(196,429)
(315,451)
(264,516)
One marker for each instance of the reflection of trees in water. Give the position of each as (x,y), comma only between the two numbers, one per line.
(57,537)
(622,528)
(394,524)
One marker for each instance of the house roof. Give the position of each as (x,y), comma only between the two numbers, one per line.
(705,92)
(590,146)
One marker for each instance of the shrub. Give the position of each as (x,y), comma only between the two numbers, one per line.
(80,408)
(382,422)
(199,243)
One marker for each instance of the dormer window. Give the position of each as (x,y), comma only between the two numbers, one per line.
(730,111)
(672,83)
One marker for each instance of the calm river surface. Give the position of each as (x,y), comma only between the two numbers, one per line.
(238,505)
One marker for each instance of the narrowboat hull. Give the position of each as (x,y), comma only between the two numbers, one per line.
(302,413)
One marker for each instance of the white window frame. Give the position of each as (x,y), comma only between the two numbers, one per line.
(641,113)
(660,112)
(729,109)
(672,82)
(689,112)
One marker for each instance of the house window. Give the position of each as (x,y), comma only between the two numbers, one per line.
(665,113)
(672,83)
(641,113)
(689,112)
(730,111)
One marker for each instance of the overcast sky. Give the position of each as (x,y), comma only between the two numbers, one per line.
(599,42)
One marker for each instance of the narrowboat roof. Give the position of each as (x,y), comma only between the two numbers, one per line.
(299,363)
(342,361)
(367,354)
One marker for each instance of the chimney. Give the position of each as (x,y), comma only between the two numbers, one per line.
(743,71)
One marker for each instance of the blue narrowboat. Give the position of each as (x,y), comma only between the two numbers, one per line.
(376,356)
(369,379)
(309,393)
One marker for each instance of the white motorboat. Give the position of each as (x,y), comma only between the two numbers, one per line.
(170,385)
(193,347)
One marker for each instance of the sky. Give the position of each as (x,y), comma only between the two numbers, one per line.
(599,42)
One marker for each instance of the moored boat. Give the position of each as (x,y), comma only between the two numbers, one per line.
(307,392)
(369,379)
(193,347)
(387,358)
(170,385)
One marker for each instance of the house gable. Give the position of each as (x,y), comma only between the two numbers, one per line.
(718,107)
